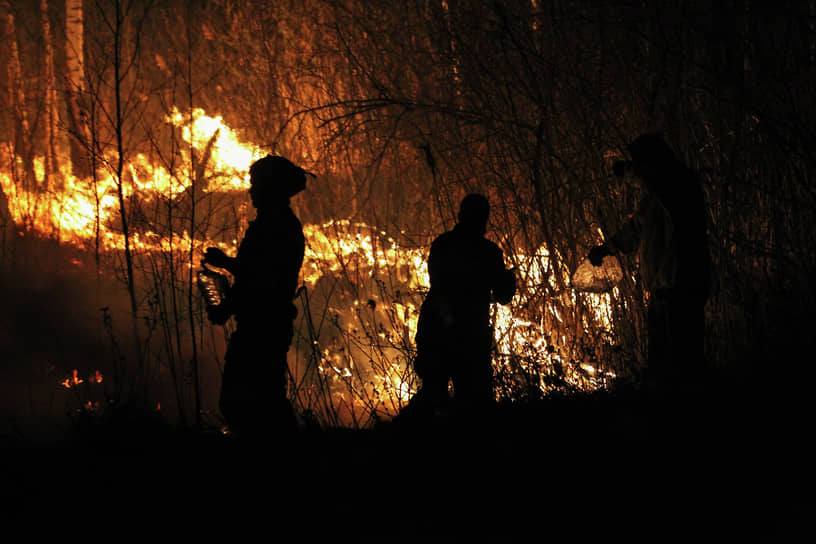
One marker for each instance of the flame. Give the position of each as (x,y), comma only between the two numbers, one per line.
(74,380)
(338,242)
(96,377)
(229,152)
(366,355)
(72,213)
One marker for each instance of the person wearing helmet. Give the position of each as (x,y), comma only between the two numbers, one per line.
(669,234)
(266,269)
(454,338)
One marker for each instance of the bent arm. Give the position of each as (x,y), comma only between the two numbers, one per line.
(504,283)
(627,238)
(217,258)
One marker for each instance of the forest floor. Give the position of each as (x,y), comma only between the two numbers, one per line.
(585,467)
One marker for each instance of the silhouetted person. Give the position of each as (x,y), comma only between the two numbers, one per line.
(265,270)
(669,233)
(454,338)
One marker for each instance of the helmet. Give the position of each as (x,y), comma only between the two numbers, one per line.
(279,174)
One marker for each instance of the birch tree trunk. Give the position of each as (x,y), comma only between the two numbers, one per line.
(51,170)
(75,89)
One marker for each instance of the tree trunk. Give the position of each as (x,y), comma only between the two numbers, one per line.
(118,36)
(195,183)
(75,88)
(51,176)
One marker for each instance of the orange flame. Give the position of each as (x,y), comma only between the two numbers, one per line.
(73,381)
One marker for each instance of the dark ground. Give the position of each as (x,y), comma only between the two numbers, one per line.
(582,468)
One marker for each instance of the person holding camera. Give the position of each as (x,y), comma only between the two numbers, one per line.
(669,234)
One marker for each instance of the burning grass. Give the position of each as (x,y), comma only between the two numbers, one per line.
(358,307)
